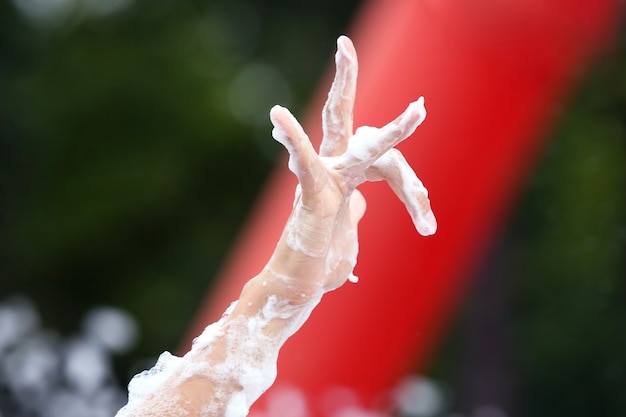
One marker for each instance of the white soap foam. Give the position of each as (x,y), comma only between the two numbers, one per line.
(337,112)
(367,141)
(412,191)
(246,371)
(306,238)
(280,135)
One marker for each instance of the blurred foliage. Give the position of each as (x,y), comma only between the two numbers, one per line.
(126,172)
(571,228)
(552,294)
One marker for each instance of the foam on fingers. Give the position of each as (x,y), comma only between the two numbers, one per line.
(337,124)
(404,125)
(289,133)
(369,143)
(393,168)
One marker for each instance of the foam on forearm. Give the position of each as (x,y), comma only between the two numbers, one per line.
(245,368)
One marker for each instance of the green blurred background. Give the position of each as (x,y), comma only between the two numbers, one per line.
(134,139)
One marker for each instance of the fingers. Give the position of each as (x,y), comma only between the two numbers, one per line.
(368,143)
(337,112)
(302,156)
(393,168)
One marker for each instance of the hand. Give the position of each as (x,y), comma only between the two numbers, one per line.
(234,361)
(322,226)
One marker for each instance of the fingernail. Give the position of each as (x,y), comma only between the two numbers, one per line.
(346,47)
(274,112)
(430,226)
(418,107)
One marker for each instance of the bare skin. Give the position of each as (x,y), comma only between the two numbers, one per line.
(315,254)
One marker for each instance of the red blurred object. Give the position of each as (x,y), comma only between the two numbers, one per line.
(493,75)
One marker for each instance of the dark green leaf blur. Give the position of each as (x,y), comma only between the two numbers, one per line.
(133,143)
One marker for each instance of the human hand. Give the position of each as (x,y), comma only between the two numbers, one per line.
(234,360)
(321,231)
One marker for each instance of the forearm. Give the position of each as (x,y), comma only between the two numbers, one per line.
(234,360)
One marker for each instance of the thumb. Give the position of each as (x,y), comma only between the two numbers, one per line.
(357,207)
